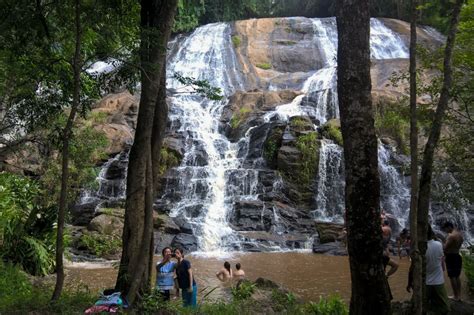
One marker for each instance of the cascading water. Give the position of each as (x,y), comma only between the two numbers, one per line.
(330,191)
(216,176)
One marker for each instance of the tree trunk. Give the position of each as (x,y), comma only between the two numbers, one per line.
(433,139)
(159,128)
(66,136)
(134,275)
(370,290)
(415,254)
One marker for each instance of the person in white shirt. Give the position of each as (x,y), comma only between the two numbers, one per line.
(435,290)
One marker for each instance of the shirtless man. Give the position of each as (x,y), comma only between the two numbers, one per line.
(453,258)
(225,274)
(386,236)
(239,274)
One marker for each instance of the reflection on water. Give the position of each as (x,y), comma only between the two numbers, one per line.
(306,274)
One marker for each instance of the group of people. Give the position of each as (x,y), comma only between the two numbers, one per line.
(440,257)
(175,272)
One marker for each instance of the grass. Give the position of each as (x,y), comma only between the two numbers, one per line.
(239,116)
(19,296)
(330,131)
(309,147)
(264,65)
(102,245)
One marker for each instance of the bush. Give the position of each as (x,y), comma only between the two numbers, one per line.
(243,291)
(101,244)
(392,120)
(468,264)
(332,132)
(239,116)
(18,296)
(27,235)
(283,301)
(333,305)
(168,159)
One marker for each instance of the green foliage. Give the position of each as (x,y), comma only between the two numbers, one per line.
(332,132)
(468,266)
(309,147)
(102,245)
(243,291)
(239,117)
(188,14)
(86,148)
(201,87)
(283,301)
(271,146)
(331,306)
(18,296)
(286,42)
(26,232)
(236,41)
(393,120)
(168,159)
(264,65)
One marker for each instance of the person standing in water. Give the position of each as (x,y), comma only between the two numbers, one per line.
(239,274)
(225,274)
(165,274)
(453,258)
(186,281)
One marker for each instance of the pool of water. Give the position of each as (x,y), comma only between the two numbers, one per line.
(308,275)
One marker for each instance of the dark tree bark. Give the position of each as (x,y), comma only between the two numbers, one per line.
(416,267)
(134,275)
(66,136)
(370,290)
(433,139)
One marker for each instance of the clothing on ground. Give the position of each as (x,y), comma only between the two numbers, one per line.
(453,264)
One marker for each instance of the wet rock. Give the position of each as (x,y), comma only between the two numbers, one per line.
(328,232)
(106,224)
(184,225)
(185,241)
(332,248)
(165,224)
(247,216)
(289,159)
(82,214)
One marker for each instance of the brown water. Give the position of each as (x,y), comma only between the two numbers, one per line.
(308,275)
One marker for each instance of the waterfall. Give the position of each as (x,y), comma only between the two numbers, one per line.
(331,182)
(209,155)
(217,178)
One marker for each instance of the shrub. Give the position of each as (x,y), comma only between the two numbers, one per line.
(102,245)
(468,264)
(243,291)
(264,65)
(20,297)
(239,117)
(27,235)
(236,41)
(283,301)
(332,132)
(333,305)
(168,159)
(393,121)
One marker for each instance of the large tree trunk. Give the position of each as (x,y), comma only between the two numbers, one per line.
(415,254)
(433,139)
(135,266)
(66,136)
(370,290)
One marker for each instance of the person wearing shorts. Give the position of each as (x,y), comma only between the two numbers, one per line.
(453,258)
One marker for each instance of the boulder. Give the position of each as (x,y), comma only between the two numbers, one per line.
(82,214)
(332,248)
(164,223)
(329,231)
(185,241)
(106,224)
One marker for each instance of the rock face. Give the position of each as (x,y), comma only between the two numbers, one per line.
(272,193)
(106,224)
